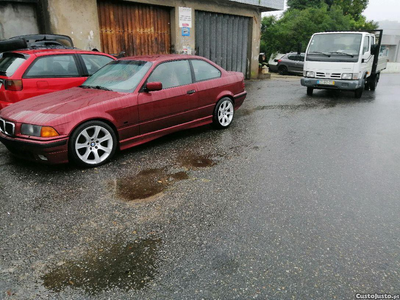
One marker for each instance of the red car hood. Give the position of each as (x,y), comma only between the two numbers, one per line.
(45,108)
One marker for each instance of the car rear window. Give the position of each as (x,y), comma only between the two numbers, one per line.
(10,63)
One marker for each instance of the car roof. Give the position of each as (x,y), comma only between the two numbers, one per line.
(162,57)
(44,52)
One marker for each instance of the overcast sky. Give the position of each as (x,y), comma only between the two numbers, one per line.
(379,10)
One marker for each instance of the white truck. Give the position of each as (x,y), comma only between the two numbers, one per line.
(343,60)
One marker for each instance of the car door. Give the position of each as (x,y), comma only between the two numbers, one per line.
(51,73)
(300,63)
(208,86)
(174,104)
(291,63)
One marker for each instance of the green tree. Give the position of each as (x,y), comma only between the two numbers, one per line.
(303,4)
(353,8)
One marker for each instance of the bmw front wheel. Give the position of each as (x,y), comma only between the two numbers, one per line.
(92,144)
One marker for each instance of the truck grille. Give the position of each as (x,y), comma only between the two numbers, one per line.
(328,75)
(7,127)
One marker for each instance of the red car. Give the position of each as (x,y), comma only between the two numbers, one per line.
(126,103)
(32,72)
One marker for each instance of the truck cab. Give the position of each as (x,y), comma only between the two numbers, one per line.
(343,60)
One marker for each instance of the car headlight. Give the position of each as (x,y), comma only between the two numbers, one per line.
(310,74)
(39,131)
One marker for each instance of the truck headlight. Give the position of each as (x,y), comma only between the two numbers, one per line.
(39,131)
(310,74)
(347,76)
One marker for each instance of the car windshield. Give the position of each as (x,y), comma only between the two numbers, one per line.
(336,44)
(10,63)
(118,76)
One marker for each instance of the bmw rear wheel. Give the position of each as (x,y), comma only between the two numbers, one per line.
(223,113)
(92,144)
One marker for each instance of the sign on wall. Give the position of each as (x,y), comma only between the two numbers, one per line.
(185,31)
(185,17)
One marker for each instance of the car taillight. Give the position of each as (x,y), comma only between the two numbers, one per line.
(13,85)
(279,60)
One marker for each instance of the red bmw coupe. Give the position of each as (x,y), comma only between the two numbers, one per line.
(126,103)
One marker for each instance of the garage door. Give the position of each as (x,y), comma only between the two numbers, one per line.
(137,29)
(223,39)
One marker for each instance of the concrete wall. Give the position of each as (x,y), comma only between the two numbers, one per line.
(392,68)
(392,42)
(79,19)
(17,19)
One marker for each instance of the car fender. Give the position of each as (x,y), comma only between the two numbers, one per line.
(95,116)
(225,93)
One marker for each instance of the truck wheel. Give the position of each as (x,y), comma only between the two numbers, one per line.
(310,91)
(358,93)
(373,82)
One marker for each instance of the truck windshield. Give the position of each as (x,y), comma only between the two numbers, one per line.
(338,47)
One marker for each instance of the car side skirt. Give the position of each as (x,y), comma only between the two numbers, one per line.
(141,139)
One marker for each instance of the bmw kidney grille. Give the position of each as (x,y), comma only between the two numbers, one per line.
(7,127)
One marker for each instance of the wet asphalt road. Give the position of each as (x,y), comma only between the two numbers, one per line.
(298,199)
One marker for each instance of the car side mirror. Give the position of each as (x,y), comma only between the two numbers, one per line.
(153,86)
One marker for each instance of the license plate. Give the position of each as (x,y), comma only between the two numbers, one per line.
(326,82)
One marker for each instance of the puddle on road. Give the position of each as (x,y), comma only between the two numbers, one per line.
(146,184)
(294,107)
(149,183)
(194,161)
(124,266)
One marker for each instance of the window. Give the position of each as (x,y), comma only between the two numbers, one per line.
(53,66)
(10,63)
(204,71)
(172,74)
(366,45)
(95,62)
(292,57)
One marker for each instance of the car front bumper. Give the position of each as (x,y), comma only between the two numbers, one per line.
(52,152)
(350,85)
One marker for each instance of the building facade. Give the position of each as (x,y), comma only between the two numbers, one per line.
(225,31)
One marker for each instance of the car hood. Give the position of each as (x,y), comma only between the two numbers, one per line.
(45,108)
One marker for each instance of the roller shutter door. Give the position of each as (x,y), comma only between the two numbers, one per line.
(224,39)
(137,29)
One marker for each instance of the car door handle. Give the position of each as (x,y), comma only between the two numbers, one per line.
(191,92)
